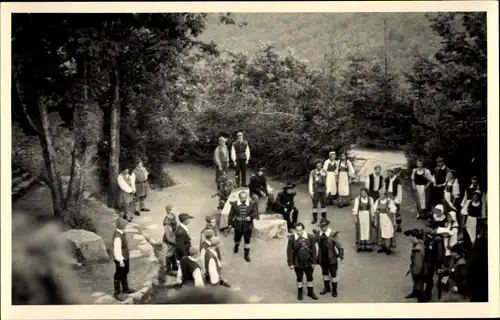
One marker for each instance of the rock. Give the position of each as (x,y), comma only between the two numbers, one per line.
(144,290)
(98,294)
(152,227)
(86,245)
(136,296)
(146,248)
(267,229)
(148,284)
(106,299)
(134,254)
(153,258)
(129,300)
(86,194)
(139,237)
(270,216)
(153,242)
(155,282)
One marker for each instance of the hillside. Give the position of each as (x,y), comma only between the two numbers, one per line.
(313,35)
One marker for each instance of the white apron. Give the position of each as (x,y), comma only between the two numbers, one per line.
(331,183)
(343,184)
(386,226)
(421,197)
(470,226)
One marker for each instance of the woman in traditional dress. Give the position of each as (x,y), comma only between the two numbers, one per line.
(385,220)
(363,212)
(451,193)
(474,185)
(471,211)
(330,166)
(345,171)
(421,179)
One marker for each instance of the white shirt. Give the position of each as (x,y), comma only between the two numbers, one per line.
(233,153)
(117,247)
(303,234)
(355,208)
(399,197)
(124,185)
(392,207)
(213,266)
(376,182)
(198,279)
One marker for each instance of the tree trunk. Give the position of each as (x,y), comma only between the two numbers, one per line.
(79,156)
(114,137)
(49,157)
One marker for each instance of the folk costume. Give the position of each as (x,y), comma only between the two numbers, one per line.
(240,154)
(169,240)
(285,205)
(330,166)
(301,255)
(121,256)
(394,190)
(471,212)
(385,220)
(374,183)
(345,171)
(317,190)
(329,252)
(440,173)
(241,216)
(126,185)
(189,273)
(363,211)
(140,177)
(451,195)
(421,179)
(212,265)
(258,188)
(221,160)
(458,269)
(418,266)
(209,227)
(182,237)
(469,192)
(450,237)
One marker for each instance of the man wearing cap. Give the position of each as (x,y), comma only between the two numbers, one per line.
(182,236)
(439,181)
(471,212)
(121,257)
(418,266)
(189,270)
(140,178)
(317,190)
(385,217)
(240,154)
(213,265)
(301,257)
(241,216)
(330,166)
(221,160)
(330,251)
(126,187)
(259,188)
(285,205)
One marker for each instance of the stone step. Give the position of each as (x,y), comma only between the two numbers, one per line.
(19,178)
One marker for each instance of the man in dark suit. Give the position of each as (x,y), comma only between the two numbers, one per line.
(182,236)
(241,216)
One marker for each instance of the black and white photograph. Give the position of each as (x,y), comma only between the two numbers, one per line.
(192,157)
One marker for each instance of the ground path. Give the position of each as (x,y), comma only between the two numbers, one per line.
(363,277)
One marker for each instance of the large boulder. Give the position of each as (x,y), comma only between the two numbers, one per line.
(269,227)
(86,245)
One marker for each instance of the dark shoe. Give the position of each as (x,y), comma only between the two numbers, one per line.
(358,249)
(300,293)
(224,284)
(388,251)
(323,215)
(381,249)
(311,294)
(145,209)
(236,248)
(334,289)
(117,287)
(411,295)
(117,297)
(315,218)
(128,291)
(369,249)
(398,229)
(137,213)
(326,289)
(247,255)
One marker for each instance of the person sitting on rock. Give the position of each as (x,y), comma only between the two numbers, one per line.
(259,189)
(182,236)
(189,270)
(121,256)
(213,265)
(285,205)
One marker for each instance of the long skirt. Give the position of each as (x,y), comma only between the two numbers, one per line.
(141,189)
(471,228)
(450,241)
(331,184)
(344,187)
(421,197)
(386,226)
(448,203)
(364,226)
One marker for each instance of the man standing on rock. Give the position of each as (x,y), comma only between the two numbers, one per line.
(259,189)
(139,177)
(317,190)
(126,191)
(285,205)
(221,160)
(182,236)
(240,154)
(301,256)
(189,270)
(121,257)
(241,216)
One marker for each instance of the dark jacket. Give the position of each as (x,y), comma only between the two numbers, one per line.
(237,218)
(477,270)
(182,242)
(285,200)
(332,245)
(417,258)
(294,247)
(257,184)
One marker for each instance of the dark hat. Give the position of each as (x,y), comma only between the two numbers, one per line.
(209,219)
(439,159)
(262,169)
(184,216)
(477,192)
(415,232)
(289,185)
(121,223)
(324,222)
